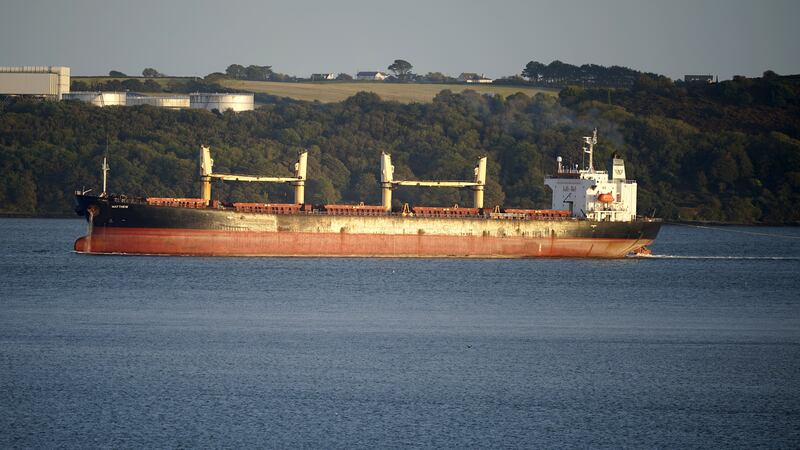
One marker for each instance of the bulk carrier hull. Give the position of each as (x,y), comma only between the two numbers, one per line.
(121,226)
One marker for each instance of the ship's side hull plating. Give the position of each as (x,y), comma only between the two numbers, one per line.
(133,228)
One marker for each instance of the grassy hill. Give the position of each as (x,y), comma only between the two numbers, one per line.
(336,91)
(326,92)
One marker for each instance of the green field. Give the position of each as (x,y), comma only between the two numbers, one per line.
(335,91)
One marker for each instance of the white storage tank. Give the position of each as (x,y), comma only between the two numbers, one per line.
(167,101)
(43,81)
(222,102)
(98,98)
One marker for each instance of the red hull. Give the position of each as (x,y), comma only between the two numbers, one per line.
(256,243)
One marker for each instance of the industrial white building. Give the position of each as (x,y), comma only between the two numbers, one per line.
(222,102)
(40,81)
(53,82)
(167,101)
(98,98)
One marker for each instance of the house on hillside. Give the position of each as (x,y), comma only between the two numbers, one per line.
(469,77)
(698,78)
(371,76)
(322,76)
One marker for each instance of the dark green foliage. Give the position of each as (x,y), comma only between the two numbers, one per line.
(149,72)
(258,73)
(401,68)
(116,73)
(751,105)
(254,73)
(685,170)
(236,71)
(436,77)
(559,74)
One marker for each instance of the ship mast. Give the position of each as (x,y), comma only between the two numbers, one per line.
(590,141)
(105,169)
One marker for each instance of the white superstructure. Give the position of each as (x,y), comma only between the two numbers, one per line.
(592,194)
(43,81)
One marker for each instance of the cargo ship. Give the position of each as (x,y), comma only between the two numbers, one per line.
(593,215)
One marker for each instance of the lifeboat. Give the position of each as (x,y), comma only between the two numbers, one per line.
(605,198)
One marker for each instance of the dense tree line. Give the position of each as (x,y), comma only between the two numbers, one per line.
(684,170)
(560,74)
(557,74)
(752,105)
(149,72)
(174,85)
(253,73)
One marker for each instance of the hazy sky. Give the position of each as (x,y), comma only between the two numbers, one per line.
(722,37)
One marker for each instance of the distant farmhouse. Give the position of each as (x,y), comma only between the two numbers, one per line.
(698,78)
(469,77)
(371,76)
(322,76)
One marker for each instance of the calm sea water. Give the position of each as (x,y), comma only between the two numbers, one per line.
(698,346)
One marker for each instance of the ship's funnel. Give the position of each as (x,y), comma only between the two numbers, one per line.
(618,168)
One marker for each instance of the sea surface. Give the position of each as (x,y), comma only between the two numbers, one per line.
(697,346)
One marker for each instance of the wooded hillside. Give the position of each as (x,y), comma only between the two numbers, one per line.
(686,169)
